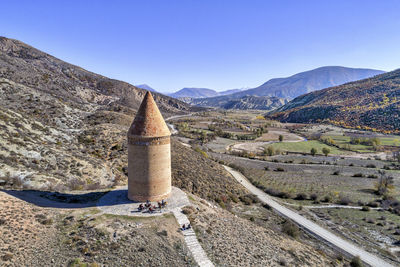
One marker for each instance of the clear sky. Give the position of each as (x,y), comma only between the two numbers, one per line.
(209,43)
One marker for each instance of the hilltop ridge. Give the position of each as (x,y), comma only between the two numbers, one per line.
(371,103)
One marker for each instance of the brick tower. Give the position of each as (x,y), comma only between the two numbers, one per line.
(149,154)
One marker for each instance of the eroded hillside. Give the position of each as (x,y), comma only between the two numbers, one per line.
(368,104)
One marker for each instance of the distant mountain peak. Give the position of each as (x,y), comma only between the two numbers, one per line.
(145,87)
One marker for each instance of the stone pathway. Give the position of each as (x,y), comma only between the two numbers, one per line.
(191,241)
(116,202)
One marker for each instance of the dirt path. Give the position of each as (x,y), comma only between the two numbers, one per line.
(309,225)
(257,146)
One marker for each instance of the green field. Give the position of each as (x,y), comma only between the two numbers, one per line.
(345,140)
(305,147)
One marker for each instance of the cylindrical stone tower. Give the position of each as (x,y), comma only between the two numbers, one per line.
(149,154)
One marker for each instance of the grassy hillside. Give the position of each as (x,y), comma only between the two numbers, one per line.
(371,104)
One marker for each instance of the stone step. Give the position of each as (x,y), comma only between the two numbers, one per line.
(191,241)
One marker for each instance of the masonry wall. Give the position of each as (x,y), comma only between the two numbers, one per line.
(149,171)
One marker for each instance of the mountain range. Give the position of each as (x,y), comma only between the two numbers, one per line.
(292,86)
(372,103)
(145,87)
(188,93)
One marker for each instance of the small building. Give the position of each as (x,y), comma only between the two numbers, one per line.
(149,154)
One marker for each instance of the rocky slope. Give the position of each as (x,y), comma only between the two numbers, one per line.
(242,103)
(370,104)
(38,71)
(256,102)
(62,126)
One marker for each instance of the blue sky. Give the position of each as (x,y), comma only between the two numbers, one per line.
(215,44)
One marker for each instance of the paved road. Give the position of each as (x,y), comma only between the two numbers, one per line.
(309,225)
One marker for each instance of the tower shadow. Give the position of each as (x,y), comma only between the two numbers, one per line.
(48,199)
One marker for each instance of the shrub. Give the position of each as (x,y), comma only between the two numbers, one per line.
(356,262)
(326,151)
(370,220)
(234,198)
(327,199)
(47,221)
(301,196)
(335,173)
(344,200)
(203,153)
(269,151)
(339,257)
(7,257)
(373,204)
(385,184)
(313,151)
(266,206)
(358,175)
(365,208)
(284,195)
(314,196)
(266,168)
(370,166)
(253,198)
(188,210)
(282,262)
(373,176)
(2,221)
(279,169)
(249,199)
(290,229)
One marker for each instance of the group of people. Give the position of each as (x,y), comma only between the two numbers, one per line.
(185,227)
(152,208)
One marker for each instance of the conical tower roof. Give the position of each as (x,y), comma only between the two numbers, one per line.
(149,121)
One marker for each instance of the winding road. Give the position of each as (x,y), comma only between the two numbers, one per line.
(309,225)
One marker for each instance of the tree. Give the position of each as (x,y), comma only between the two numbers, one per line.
(385,184)
(270,151)
(280,138)
(313,151)
(326,151)
(356,262)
